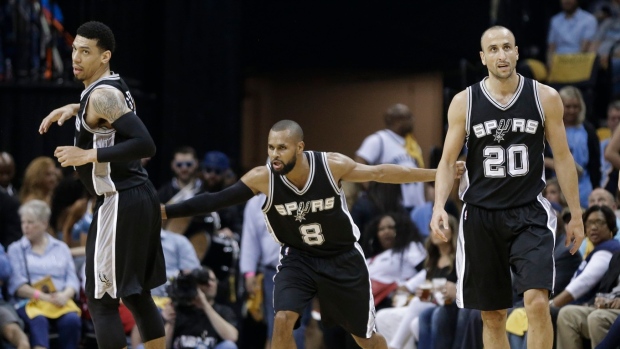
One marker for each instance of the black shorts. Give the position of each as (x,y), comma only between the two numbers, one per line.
(341,284)
(492,243)
(123,248)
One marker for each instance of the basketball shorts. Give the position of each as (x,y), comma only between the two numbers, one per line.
(341,284)
(499,250)
(123,248)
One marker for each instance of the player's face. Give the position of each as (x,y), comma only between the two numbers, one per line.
(283,151)
(89,62)
(386,232)
(499,53)
(596,228)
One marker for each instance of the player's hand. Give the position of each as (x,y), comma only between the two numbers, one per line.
(59,115)
(74,156)
(460,169)
(574,233)
(439,222)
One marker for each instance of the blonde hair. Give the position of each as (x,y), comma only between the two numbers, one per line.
(34,177)
(574,92)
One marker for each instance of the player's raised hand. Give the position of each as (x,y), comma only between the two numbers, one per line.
(574,233)
(59,115)
(439,222)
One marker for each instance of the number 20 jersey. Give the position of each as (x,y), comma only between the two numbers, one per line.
(314,219)
(505,145)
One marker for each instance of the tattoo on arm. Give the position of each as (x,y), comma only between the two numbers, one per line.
(109,104)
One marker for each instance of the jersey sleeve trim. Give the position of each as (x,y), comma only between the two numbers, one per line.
(330,176)
(468,112)
(538,103)
(269,198)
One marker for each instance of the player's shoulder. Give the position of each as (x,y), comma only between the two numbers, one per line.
(546,93)
(461,98)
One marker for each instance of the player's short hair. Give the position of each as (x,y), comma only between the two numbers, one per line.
(496,27)
(291,126)
(98,31)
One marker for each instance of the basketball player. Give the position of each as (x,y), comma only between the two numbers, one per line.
(305,210)
(124,258)
(506,223)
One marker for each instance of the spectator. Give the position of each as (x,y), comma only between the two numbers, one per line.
(553,193)
(421,215)
(600,197)
(260,253)
(582,142)
(591,321)
(10,325)
(600,225)
(10,229)
(396,145)
(40,180)
(37,256)
(7,172)
(201,322)
(379,198)
(399,324)
(609,174)
(570,31)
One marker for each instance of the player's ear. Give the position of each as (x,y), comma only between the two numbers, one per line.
(300,146)
(517,51)
(482,58)
(105,56)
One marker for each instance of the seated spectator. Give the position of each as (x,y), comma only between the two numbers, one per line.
(600,226)
(593,320)
(570,31)
(395,253)
(7,172)
(38,256)
(40,180)
(612,338)
(10,230)
(600,197)
(10,324)
(609,173)
(179,255)
(194,319)
(399,324)
(379,198)
(421,214)
(553,193)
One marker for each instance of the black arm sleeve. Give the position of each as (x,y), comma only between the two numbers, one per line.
(138,143)
(209,202)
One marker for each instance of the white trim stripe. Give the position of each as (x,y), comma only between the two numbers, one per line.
(94,84)
(538,103)
(460,261)
(105,248)
(498,104)
(269,199)
(468,113)
(370,324)
(308,182)
(552,224)
(330,176)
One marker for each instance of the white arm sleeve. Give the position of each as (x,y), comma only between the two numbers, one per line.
(591,274)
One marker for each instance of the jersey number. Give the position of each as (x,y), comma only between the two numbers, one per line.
(312,234)
(518,161)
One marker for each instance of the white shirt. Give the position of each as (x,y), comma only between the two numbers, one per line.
(389,266)
(386,147)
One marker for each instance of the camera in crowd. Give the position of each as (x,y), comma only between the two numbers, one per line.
(184,288)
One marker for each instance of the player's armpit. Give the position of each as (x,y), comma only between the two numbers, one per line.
(108,104)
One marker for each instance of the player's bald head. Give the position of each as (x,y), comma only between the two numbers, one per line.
(292,127)
(494,31)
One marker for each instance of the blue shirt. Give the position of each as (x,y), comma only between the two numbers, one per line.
(577,138)
(569,33)
(5,268)
(56,261)
(421,217)
(258,248)
(179,254)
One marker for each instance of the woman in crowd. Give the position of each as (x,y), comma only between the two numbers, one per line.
(37,257)
(40,180)
(399,324)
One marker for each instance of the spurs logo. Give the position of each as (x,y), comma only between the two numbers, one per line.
(500,131)
(302,209)
(104,279)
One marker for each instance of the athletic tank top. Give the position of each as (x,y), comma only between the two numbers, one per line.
(314,219)
(505,145)
(107,177)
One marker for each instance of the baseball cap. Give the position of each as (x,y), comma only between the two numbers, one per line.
(216,160)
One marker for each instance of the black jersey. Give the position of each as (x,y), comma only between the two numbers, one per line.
(314,219)
(505,145)
(106,177)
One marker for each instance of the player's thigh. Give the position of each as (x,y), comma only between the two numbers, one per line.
(294,284)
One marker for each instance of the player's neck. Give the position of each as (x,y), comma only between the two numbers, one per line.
(103,72)
(502,87)
(299,174)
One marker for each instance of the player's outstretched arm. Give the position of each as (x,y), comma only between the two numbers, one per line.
(563,159)
(447,169)
(344,168)
(59,115)
(256,180)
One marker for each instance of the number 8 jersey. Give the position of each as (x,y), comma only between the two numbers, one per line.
(314,219)
(505,145)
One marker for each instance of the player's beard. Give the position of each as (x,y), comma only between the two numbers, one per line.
(287,167)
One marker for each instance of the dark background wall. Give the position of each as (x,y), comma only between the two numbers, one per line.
(186,60)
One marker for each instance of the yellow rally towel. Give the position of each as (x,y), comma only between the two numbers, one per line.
(255,301)
(36,308)
(161,302)
(517,322)
(414,150)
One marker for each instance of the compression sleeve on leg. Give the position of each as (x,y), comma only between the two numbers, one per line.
(209,202)
(137,143)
